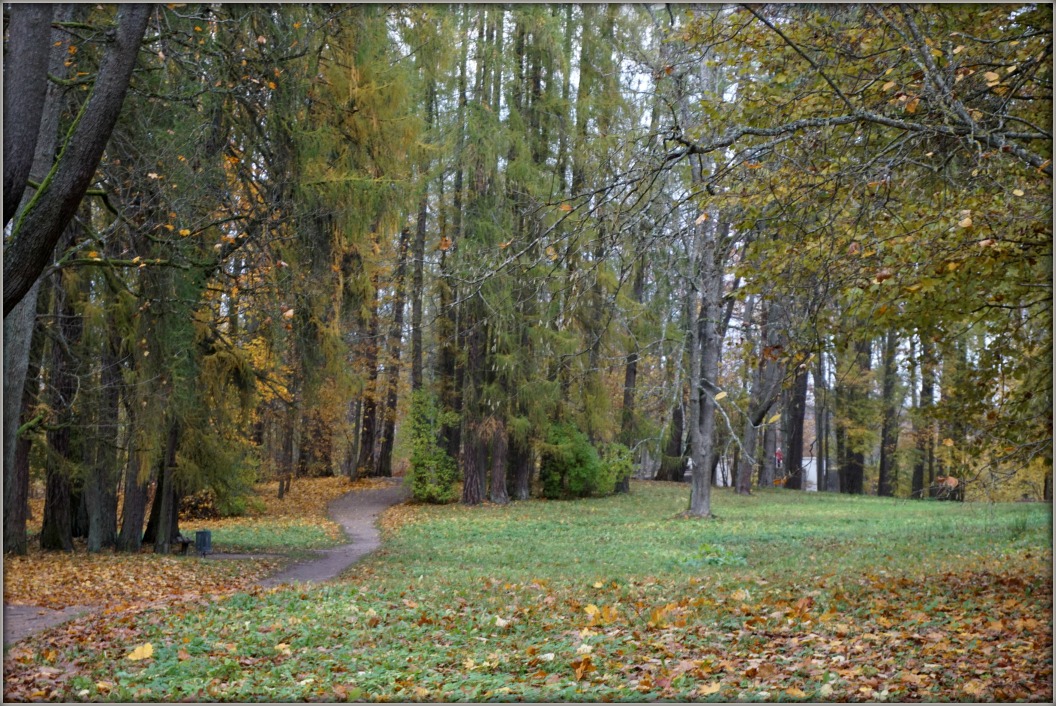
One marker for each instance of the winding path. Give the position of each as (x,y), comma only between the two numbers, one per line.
(356,512)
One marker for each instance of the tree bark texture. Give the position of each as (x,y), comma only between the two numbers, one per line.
(383,466)
(39,227)
(924,464)
(474,453)
(168,499)
(25,87)
(521,463)
(20,323)
(852,396)
(57,529)
(499,447)
(369,425)
(795,412)
(889,426)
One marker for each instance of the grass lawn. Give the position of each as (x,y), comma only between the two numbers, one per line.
(786,596)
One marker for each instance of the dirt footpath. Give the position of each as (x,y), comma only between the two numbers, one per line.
(357,513)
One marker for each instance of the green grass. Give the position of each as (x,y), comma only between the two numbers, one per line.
(263,535)
(500,603)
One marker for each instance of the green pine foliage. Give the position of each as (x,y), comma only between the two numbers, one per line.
(570,466)
(434,476)
(617,462)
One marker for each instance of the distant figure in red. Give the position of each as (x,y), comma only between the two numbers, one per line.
(780,457)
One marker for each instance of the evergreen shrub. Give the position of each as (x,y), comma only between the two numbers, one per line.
(569,464)
(617,462)
(434,474)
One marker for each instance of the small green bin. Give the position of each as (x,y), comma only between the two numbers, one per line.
(203,542)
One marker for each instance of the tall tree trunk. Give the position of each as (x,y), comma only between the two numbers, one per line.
(766,387)
(19,323)
(474,454)
(768,456)
(672,458)
(630,379)
(78,509)
(18,396)
(368,427)
(134,507)
(26,86)
(168,500)
(101,486)
(674,455)
(748,461)
(40,226)
(348,466)
(57,530)
(522,463)
(704,384)
(795,412)
(449,372)
(16,484)
(474,458)
(499,447)
(417,282)
(383,466)
(286,459)
(889,429)
(924,464)
(821,427)
(851,395)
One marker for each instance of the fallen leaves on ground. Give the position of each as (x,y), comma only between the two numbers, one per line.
(60,579)
(306,497)
(399,515)
(967,635)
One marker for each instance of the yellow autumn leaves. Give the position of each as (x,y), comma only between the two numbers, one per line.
(601,616)
(144,651)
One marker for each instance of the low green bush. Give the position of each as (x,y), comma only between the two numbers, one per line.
(617,462)
(434,474)
(569,464)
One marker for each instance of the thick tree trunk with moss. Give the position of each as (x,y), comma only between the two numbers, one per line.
(26,85)
(20,322)
(39,227)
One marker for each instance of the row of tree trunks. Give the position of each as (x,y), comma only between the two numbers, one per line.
(59,509)
(382,465)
